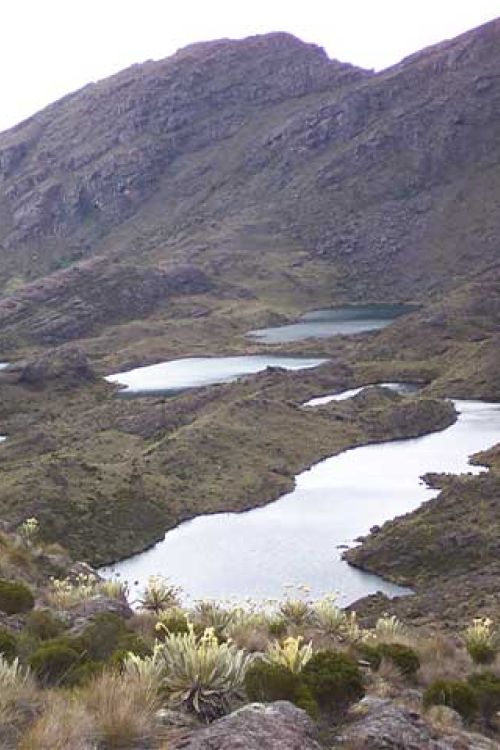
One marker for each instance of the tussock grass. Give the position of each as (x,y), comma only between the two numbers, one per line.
(123,708)
(64,725)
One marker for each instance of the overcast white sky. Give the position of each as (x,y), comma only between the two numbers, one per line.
(51,47)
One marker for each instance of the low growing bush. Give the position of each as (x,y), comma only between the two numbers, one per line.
(8,644)
(453,693)
(334,680)
(486,686)
(15,597)
(42,624)
(403,657)
(53,663)
(266,682)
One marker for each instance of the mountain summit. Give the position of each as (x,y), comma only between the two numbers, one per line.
(251,159)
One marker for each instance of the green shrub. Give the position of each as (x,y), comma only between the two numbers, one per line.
(83,673)
(8,645)
(403,657)
(482,653)
(265,683)
(53,663)
(486,687)
(102,636)
(15,597)
(334,680)
(457,695)
(369,653)
(42,624)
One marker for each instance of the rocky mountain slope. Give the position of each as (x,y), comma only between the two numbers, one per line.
(263,164)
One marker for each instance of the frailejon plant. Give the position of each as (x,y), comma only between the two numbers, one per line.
(159,595)
(291,654)
(29,530)
(12,674)
(296,611)
(113,589)
(201,673)
(329,619)
(65,592)
(481,640)
(209,614)
(147,670)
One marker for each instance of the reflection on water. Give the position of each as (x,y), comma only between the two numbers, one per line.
(180,374)
(295,539)
(339,320)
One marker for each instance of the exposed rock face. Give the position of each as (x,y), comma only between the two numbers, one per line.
(256,727)
(381,724)
(219,150)
(97,605)
(72,303)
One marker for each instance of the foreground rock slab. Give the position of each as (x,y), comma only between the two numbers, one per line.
(257,726)
(382,724)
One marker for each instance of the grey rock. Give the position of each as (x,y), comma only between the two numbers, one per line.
(97,605)
(257,726)
(382,724)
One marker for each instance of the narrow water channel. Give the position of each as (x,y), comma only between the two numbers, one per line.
(297,539)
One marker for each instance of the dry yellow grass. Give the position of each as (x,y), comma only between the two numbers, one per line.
(64,725)
(123,707)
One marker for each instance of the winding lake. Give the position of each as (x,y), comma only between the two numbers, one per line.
(338,320)
(193,372)
(296,539)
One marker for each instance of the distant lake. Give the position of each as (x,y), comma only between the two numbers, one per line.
(193,372)
(338,320)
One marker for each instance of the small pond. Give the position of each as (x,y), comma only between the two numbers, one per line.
(192,372)
(297,539)
(339,320)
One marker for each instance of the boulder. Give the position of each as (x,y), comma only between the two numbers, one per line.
(86,610)
(382,724)
(256,726)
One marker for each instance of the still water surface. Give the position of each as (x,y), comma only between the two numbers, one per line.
(181,374)
(295,539)
(339,320)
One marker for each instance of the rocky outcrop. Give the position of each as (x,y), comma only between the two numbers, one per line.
(211,155)
(74,302)
(382,724)
(256,727)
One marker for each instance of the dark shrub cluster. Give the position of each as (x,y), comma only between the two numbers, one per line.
(54,663)
(403,657)
(329,682)
(486,686)
(15,597)
(8,644)
(453,693)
